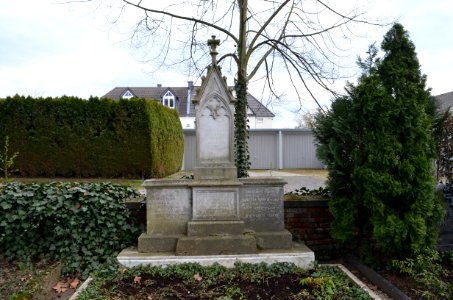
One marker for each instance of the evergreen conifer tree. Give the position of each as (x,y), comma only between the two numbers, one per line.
(386,139)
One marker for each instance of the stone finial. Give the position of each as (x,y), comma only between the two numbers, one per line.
(213,43)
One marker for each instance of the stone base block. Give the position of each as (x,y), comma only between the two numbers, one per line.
(299,254)
(216,171)
(207,228)
(274,240)
(157,243)
(216,245)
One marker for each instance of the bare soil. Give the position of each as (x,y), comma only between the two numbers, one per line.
(16,277)
(157,287)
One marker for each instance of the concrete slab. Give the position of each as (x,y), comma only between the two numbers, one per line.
(299,254)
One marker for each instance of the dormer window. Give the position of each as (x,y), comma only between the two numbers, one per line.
(168,100)
(127,95)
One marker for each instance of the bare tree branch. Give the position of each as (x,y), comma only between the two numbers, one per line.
(183,18)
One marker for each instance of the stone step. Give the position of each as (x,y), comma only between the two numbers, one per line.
(208,228)
(274,240)
(157,243)
(299,254)
(216,245)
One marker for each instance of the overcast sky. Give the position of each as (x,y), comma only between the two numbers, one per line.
(50,49)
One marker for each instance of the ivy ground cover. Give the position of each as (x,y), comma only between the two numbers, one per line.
(244,281)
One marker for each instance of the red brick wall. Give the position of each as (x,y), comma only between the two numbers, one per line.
(309,221)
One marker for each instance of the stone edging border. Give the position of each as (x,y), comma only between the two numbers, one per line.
(81,288)
(382,283)
(356,280)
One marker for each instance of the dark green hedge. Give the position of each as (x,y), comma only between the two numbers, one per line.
(72,137)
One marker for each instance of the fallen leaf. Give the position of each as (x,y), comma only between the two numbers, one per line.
(137,279)
(60,287)
(197,277)
(74,283)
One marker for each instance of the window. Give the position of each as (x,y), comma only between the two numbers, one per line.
(259,120)
(169,100)
(127,95)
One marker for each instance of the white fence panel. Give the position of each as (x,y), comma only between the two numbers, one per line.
(269,149)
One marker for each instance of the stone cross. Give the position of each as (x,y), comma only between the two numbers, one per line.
(213,43)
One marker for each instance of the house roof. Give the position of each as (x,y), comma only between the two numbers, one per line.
(181,93)
(445,101)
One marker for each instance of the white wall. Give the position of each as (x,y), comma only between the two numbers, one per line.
(260,122)
(187,122)
(255,123)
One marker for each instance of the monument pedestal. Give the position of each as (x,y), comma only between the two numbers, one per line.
(216,213)
(189,217)
(216,245)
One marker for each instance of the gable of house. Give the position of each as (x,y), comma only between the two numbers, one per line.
(183,99)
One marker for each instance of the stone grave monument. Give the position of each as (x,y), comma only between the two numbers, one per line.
(215,213)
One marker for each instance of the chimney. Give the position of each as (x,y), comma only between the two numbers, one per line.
(189,95)
(159,85)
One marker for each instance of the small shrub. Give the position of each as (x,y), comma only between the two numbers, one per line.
(81,224)
(308,194)
(303,191)
(331,283)
(7,160)
(428,273)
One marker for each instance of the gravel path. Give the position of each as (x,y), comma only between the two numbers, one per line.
(294,181)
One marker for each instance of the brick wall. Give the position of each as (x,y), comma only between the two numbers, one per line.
(309,221)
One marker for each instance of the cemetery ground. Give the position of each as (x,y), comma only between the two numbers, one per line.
(19,279)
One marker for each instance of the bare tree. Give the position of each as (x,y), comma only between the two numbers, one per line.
(307,119)
(258,40)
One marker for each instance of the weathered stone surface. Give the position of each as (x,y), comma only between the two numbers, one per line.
(210,171)
(299,254)
(168,208)
(207,228)
(214,105)
(261,204)
(274,240)
(157,243)
(216,245)
(215,203)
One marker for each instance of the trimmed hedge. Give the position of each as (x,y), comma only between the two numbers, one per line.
(82,224)
(72,137)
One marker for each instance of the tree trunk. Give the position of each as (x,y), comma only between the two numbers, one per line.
(240,120)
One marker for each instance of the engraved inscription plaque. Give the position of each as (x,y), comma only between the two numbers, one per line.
(262,208)
(168,211)
(215,204)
